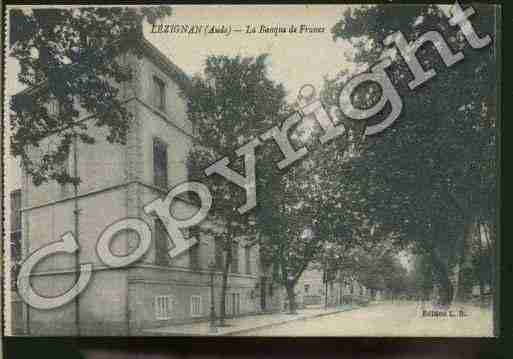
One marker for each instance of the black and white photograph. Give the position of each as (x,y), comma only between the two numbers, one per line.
(251,170)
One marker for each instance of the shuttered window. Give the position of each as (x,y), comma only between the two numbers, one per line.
(235,258)
(196,306)
(159,163)
(159,93)
(247,255)
(164,306)
(161,244)
(194,256)
(54,108)
(15,237)
(219,253)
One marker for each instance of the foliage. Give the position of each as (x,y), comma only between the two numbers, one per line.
(68,55)
(231,103)
(433,172)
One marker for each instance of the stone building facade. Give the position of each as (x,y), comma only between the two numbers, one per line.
(117,181)
(312,289)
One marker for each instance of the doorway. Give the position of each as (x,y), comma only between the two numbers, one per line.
(263,293)
(235,304)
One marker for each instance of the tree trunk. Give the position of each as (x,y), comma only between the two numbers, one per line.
(440,254)
(490,237)
(425,294)
(445,290)
(291,296)
(464,286)
(224,287)
(480,266)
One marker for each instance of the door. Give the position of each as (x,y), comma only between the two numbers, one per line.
(262,293)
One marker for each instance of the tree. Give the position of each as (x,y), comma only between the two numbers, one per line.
(422,277)
(483,250)
(231,103)
(309,213)
(431,175)
(374,264)
(69,55)
(286,218)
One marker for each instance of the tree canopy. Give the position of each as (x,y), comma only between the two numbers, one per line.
(67,55)
(230,104)
(432,173)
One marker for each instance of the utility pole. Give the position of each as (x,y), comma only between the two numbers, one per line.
(325,288)
(212,324)
(76,213)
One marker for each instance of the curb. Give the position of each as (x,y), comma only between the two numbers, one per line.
(270,325)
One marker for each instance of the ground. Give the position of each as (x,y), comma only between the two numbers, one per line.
(389,319)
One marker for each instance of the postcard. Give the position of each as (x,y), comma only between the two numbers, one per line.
(251,170)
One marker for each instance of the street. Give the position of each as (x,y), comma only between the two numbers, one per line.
(389,319)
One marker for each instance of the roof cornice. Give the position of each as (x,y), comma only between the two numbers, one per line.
(165,63)
(147,49)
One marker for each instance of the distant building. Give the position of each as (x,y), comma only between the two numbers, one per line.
(15,244)
(117,181)
(312,289)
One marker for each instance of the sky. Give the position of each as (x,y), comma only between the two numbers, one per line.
(294,59)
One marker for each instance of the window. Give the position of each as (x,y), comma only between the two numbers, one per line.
(161,244)
(196,310)
(160,93)
(235,304)
(307,288)
(15,237)
(227,303)
(247,255)
(163,306)
(235,258)
(218,253)
(159,163)
(16,211)
(194,257)
(54,107)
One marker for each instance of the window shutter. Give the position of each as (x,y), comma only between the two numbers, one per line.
(160,163)
(159,93)
(235,258)
(161,244)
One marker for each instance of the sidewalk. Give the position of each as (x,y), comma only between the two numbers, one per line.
(244,324)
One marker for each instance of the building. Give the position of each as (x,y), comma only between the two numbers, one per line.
(312,289)
(117,181)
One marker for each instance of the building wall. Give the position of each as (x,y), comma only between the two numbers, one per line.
(117,181)
(338,291)
(181,280)
(171,125)
(145,283)
(310,287)
(102,305)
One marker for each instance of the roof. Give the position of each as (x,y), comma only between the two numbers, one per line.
(165,63)
(148,49)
